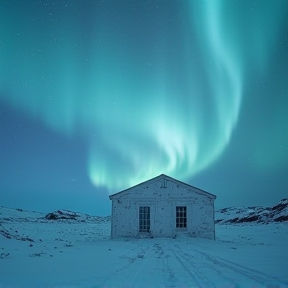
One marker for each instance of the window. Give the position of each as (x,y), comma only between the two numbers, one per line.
(144,219)
(181,217)
(164,183)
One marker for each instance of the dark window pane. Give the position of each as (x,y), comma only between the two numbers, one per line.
(144,219)
(181,217)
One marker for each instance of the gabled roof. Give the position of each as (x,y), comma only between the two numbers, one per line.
(168,178)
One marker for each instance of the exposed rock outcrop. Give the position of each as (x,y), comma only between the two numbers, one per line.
(237,215)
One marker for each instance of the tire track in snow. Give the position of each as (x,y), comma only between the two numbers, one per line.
(202,266)
(172,279)
(197,276)
(148,252)
(224,270)
(249,273)
(155,268)
(161,268)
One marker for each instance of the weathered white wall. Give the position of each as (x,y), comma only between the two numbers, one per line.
(163,195)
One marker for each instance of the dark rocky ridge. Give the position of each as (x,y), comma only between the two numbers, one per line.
(67,215)
(239,215)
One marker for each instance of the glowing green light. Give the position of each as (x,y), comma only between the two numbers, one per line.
(142,116)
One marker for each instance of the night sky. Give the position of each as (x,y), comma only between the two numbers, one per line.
(97,96)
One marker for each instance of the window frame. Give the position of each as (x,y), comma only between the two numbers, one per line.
(144,219)
(181,217)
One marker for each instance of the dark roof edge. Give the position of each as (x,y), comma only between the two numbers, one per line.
(208,194)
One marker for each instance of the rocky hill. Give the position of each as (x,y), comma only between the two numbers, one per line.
(20,215)
(13,221)
(256,214)
(75,216)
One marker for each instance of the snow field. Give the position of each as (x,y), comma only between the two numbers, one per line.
(68,254)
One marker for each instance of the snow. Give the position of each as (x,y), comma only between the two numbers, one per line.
(277,213)
(72,253)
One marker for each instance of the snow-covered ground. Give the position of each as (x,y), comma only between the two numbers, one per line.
(259,214)
(77,251)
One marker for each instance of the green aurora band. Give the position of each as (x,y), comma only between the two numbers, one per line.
(154,90)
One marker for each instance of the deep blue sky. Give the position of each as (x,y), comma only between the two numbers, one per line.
(97,96)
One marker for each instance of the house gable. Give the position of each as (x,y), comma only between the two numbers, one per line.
(157,186)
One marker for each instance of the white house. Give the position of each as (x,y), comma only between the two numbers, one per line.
(162,207)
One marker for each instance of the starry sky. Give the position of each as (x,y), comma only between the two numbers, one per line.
(99,95)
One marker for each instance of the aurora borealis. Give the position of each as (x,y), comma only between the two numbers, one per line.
(128,90)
